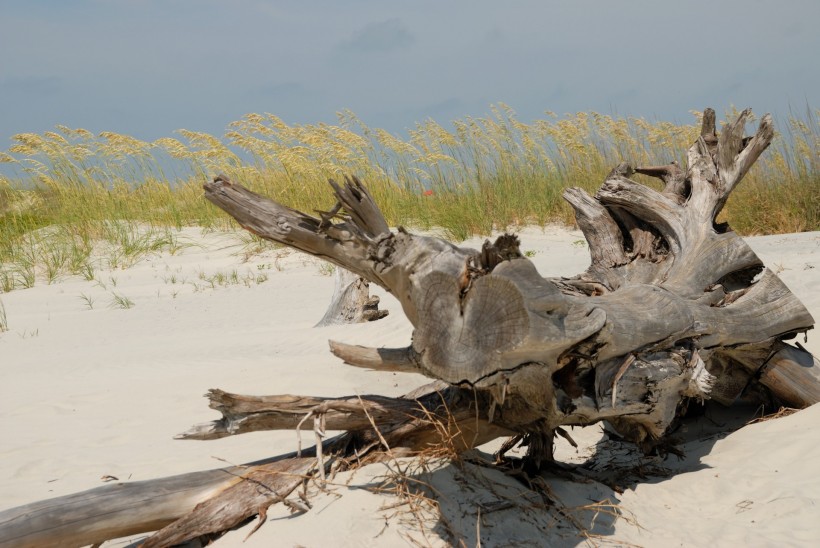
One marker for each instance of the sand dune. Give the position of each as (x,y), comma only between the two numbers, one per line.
(91,390)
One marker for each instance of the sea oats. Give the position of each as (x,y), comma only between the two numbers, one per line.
(125,144)
(174,147)
(496,167)
(436,157)
(254,118)
(351,139)
(55,137)
(276,122)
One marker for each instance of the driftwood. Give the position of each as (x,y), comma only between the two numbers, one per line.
(674,308)
(122,509)
(187,506)
(351,301)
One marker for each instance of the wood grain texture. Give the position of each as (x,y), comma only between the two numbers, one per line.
(110,511)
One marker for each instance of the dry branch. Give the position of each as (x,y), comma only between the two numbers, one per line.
(113,510)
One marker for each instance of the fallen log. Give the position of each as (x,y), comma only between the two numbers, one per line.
(674,308)
(120,509)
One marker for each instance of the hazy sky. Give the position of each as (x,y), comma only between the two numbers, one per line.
(148,67)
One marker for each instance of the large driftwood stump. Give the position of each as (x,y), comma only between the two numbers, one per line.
(674,307)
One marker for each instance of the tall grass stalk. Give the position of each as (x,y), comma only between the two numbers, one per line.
(68,190)
(4,322)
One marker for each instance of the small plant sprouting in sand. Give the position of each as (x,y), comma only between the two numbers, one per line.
(223,279)
(4,324)
(6,281)
(173,245)
(253,245)
(86,270)
(25,274)
(88,301)
(121,301)
(326,268)
(218,279)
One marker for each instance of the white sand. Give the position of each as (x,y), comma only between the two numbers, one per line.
(87,393)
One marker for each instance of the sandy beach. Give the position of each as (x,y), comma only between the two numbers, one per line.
(95,388)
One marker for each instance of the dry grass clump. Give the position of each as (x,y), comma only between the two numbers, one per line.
(780,413)
(444,495)
(477,175)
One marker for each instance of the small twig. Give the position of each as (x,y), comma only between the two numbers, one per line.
(564,434)
(375,428)
(506,446)
(319,433)
(478,529)
(263,517)
(299,433)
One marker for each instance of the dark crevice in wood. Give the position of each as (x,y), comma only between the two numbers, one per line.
(676,185)
(505,248)
(641,240)
(740,279)
(721,228)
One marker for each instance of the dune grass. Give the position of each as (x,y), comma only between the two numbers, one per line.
(69,191)
(4,322)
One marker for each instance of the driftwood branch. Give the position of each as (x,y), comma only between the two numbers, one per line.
(118,510)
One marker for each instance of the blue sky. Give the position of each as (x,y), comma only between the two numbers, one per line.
(148,67)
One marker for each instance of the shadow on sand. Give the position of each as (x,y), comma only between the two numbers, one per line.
(474,503)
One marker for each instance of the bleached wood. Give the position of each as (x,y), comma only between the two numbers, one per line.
(403,422)
(351,301)
(381,359)
(259,487)
(111,511)
(600,230)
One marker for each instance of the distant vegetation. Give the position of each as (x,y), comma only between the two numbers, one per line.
(69,191)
